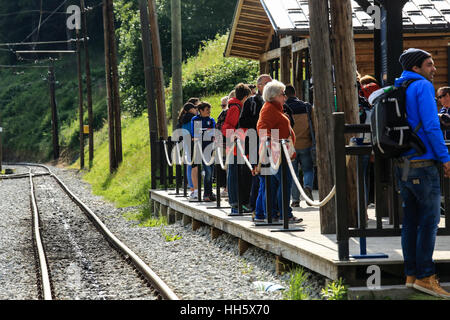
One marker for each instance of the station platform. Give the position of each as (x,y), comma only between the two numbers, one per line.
(308,248)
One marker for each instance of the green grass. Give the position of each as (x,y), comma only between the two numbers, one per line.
(335,290)
(298,288)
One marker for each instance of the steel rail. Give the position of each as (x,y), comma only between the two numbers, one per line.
(147,272)
(45,278)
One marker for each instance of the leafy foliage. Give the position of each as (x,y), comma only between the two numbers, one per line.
(132,81)
(298,288)
(335,290)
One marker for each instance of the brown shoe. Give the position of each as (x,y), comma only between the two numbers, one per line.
(410,281)
(431,286)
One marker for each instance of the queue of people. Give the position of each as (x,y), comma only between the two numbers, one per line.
(271,105)
(263,107)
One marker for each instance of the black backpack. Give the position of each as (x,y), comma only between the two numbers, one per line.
(221,119)
(392,135)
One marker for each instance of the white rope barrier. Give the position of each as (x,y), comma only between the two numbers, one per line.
(211,161)
(167,154)
(299,186)
(241,150)
(228,156)
(179,157)
(194,155)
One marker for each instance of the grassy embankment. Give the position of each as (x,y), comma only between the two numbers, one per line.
(130,184)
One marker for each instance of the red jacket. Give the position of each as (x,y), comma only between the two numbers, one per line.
(273,117)
(232,118)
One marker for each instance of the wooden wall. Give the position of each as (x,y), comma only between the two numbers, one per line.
(437,46)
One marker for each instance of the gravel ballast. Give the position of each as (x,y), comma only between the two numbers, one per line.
(194,266)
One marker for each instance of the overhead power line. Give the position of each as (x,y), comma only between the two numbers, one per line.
(35,43)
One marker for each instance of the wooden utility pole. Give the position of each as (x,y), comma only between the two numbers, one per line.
(88,84)
(346,87)
(55,134)
(150,89)
(80,100)
(112,86)
(159,75)
(323,108)
(109,90)
(115,84)
(177,85)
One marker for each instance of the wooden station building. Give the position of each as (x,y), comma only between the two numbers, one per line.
(276,32)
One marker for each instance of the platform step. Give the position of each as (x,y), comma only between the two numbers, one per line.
(394,292)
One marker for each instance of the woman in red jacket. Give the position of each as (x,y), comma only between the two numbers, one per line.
(271,118)
(229,126)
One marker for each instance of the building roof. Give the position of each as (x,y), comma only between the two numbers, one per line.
(255,21)
(292,16)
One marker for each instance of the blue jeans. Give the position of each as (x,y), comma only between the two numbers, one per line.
(421,214)
(208,180)
(305,159)
(189,177)
(277,188)
(260,210)
(232,184)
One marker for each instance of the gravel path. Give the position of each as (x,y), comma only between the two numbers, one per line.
(17,269)
(195,266)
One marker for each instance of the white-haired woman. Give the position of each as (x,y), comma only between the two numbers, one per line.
(271,118)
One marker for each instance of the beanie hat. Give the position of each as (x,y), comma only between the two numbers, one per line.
(413,57)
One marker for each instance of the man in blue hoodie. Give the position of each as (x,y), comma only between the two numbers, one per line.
(421,191)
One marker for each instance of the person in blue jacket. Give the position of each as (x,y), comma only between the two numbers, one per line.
(184,122)
(421,191)
(202,131)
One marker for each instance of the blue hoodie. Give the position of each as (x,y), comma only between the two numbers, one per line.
(421,107)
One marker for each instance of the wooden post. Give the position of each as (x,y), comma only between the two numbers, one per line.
(88,84)
(297,72)
(264,67)
(346,87)
(285,64)
(51,85)
(177,86)
(80,100)
(115,84)
(324,106)
(159,75)
(150,90)
(111,124)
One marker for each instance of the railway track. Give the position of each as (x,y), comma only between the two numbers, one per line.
(44,242)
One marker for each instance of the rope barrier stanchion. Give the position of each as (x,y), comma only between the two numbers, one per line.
(218,167)
(268,191)
(199,174)
(162,166)
(240,200)
(184,180)
(170,168)
(285,194)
